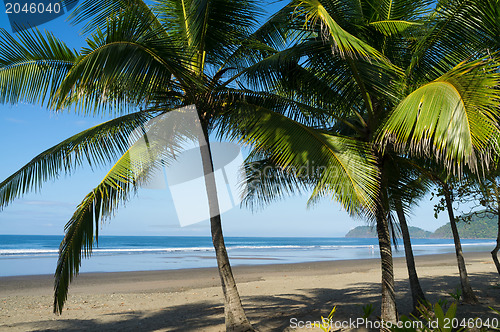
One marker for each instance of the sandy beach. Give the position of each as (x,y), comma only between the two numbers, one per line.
(191,300)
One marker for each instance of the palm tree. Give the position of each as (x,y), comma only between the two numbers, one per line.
(397,75)
(157,59)
(417,293)
(447,190)
(269,183)
(406,187)
(484,192)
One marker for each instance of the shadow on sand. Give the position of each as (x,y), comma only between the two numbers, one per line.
(273,313)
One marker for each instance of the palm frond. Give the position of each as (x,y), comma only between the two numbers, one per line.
(96,14)
(453,117)
(393,27)
(343,43)
(161,140)
(175,18)
(277,33)
(96,146)
(32,66)
(79,239)
(452,34)
(266,182)
(344,168)
(219,26)
(123,67)
(406,10)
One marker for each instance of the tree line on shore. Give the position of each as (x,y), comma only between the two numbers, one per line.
(477,228)
(371,103)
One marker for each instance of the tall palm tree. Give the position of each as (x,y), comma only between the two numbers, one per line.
(484,193)
(446,190)
(157,59)
(401,76)
(269,183)
(406,187)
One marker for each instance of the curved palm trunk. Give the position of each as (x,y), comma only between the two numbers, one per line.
(235,317)
(494,252)
(388,311)
(417,293)
(467,293)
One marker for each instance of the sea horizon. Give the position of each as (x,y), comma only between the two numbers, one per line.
(37,254)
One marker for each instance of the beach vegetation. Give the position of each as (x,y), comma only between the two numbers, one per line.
(482,195)
(338,98)
(447,190)
(368,310)
(456,294)
(412,79)
(433,318)
(141,62)
(326,323)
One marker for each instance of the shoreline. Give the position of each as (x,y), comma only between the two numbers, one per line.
(271,294)
(272,262)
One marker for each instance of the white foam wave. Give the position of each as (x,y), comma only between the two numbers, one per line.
(36,252)
(27,251)
(101,251)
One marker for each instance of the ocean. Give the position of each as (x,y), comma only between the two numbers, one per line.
(37,254)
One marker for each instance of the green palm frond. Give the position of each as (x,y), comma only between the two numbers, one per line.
(219,26)
(123,67)
(98,205)
(277,33)
(452,117)
(264,74)
(344,168)
(32,66)
(406,10)
(95,14)
(452,35)
(393,27)
(96,146)
(137,166)
(343,43)
(486,14)
(174,17)
(266,182)
(309,73)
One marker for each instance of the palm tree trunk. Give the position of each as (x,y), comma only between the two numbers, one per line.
(235,317)
(388,311)
(494,252)
(467,293)
(417,294)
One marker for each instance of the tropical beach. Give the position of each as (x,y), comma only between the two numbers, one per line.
(190,300)
(180,121)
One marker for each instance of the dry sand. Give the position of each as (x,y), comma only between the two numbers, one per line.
(191,300)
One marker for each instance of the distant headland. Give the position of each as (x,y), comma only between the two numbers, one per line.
(478,228)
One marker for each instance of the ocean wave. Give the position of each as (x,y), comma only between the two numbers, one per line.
(27,251)
(11,252)
(452,245)
(116,251)
(100,251)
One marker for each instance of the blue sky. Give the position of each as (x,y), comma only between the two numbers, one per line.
(27,130)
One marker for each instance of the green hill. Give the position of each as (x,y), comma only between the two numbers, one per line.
(368,232)
(478,228)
